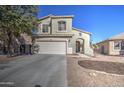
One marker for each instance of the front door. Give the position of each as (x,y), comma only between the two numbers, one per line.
(77,46)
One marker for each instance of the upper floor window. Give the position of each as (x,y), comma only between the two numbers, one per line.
(45,28)
(61,25)
(80,34)
(116,45)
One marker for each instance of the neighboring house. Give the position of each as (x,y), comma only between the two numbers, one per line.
(56,35)
(112,46)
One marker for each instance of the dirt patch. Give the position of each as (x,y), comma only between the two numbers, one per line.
(109,67)
(4,58)
(79,76)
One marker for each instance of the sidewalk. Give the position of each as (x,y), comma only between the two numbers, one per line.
(79,56)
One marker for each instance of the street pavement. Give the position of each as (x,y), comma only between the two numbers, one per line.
(34,71)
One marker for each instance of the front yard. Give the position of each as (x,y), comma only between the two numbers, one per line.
(4,58)
(98,71)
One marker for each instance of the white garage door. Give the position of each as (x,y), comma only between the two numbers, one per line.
(52,47)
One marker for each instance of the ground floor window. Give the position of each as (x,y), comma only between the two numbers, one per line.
(122,45)
(119,45)
(116,45)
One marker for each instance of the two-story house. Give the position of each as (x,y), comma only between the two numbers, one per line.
(56,35)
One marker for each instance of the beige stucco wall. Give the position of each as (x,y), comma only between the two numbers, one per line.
(55,25)
(106,47)
(109,48)
(113,51)
(44,21)
(86,39)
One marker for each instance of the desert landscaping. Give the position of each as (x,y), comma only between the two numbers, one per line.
(102,70)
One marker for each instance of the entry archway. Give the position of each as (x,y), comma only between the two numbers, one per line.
(80,45)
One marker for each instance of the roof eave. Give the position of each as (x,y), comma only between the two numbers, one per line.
(53,16)
(81,31)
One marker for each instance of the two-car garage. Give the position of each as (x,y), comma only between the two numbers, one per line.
(52,47)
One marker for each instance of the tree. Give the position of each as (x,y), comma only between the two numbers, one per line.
(15,20)
(95,48)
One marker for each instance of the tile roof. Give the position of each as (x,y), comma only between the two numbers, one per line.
(116,37)
(53,16)
(119,36)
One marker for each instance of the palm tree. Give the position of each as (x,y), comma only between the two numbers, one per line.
(15,20)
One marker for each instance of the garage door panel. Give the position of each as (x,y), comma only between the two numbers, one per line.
(52,47)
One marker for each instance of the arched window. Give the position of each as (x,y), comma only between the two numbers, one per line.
(61,25)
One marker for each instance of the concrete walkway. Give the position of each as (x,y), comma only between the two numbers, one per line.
(36,70)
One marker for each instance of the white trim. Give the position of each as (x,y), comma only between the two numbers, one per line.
(119,46)
(61,31)
(42,28)
(59,26)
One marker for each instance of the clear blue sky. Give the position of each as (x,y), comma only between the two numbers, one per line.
(101,21)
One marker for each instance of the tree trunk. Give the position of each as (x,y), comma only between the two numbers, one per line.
(9,44)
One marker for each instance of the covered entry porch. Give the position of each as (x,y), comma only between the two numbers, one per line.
(79,45)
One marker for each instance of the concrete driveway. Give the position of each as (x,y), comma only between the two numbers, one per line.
(35,70)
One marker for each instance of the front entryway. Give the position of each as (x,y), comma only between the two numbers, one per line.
(80,46)
(52,47)
(77,46)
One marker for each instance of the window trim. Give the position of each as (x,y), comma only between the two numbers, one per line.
(43,26)
(65,30)
(121,45)
(119,48)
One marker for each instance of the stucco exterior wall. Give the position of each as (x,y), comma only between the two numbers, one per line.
(106,47)
(113,51)
(44,21)
(86,42)
(109,48)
